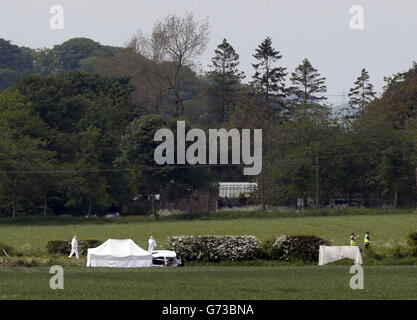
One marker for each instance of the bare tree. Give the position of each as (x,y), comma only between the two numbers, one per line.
(175,43)
(149,88)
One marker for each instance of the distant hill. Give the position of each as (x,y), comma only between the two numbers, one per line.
(16,62)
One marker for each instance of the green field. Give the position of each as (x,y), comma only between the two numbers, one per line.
(214,282)
(385,229)
(261,280)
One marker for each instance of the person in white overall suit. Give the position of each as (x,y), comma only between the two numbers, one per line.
(151,244)
(74,248)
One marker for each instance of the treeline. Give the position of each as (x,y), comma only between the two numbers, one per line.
(78,120)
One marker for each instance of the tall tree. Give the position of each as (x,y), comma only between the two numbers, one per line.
(268,96)
(175,43)
(307,84)
(269,79)
(225,78)
(363,92)
(87,184)
(23,148)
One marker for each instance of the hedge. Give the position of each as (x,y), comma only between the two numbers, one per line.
(297,247)
(215,248)
(64,246)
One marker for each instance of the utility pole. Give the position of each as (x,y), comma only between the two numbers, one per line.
(317,178)
(263,191)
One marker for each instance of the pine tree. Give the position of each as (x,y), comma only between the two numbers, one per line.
(268,78)
(269,94)
(307,84)
(362,94)
(225,79)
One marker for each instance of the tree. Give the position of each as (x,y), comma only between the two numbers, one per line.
(69,104)
(362,94)
(175,43)
(86,183)
(297,151)
(137,153)
(23,147)
(307,84)
(13,57)
(268,78)
(267,97)
(149,88)
(399,100)
(69,55)
(15,62)
(396,79)
(224,78)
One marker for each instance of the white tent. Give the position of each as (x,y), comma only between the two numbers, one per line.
(329,254)
(119,254)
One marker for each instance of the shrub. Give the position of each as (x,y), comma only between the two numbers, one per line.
(215,248)
(64,246)
(268,252)
(399,251)
(58,246)
(412,242)
(298,247)
(5,248)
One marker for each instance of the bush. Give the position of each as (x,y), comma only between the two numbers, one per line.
(298,247)
(58,246)
(412,242)
(5,248)
(64,246)
(268,253)
(215,248)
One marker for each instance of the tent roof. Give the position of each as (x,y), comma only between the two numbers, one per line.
(119,248)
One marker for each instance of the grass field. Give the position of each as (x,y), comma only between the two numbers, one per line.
(254,280)
(384,229)
(307,282)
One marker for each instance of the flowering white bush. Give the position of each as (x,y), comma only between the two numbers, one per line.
(215,248)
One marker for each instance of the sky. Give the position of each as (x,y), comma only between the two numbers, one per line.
(319,30)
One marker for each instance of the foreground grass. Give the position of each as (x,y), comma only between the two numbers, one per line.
(385,229)
(307,282)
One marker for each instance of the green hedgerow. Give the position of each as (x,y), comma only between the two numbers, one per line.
(64,246)
(298,247)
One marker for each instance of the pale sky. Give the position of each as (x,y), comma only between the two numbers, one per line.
(315,29)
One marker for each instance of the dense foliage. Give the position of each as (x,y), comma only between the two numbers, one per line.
(77,124)
(215,248)
(299,247)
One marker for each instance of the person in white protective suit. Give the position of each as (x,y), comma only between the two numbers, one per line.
(151,244)
(74,248)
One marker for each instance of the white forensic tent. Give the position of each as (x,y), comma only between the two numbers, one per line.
(119,254)
(329,254)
